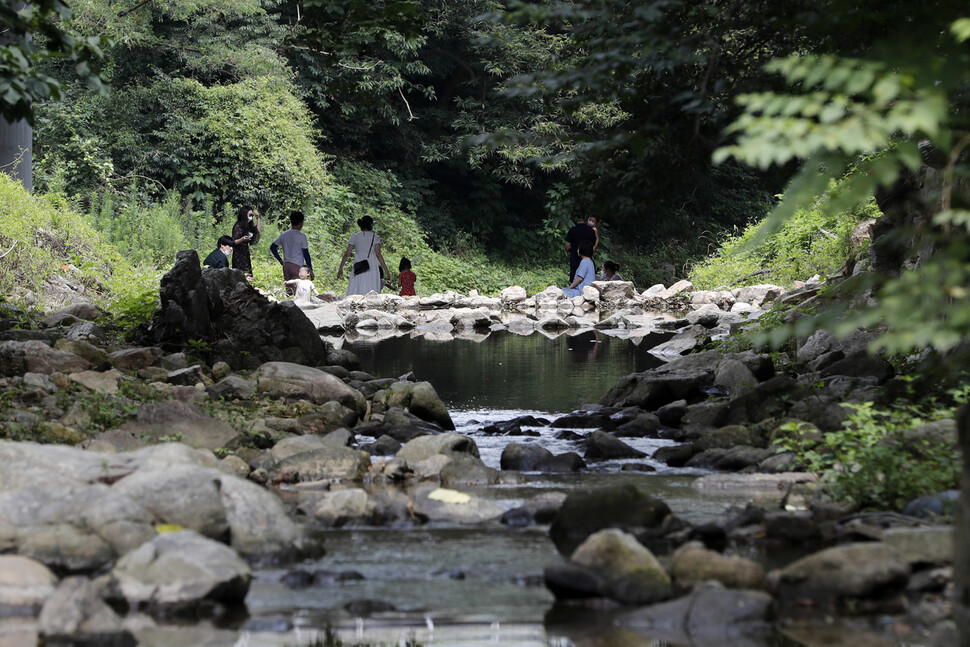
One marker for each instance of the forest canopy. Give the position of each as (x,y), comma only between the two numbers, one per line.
(491,123)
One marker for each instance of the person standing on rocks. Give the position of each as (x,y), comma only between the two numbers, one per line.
(592,221)
(579,233)
(219,258)
(368,261)
(406,278)
(245,233)
(296,252)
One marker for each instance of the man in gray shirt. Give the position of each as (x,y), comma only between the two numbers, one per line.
(296,252)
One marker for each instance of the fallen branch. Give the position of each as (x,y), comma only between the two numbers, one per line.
(9,250)
(752,275)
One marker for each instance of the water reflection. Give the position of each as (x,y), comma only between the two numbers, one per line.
(504,370)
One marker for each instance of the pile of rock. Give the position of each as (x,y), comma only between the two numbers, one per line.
(144,516)
(604,305)
(702,591)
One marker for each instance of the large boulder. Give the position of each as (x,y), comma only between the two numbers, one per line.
(424,447)
(834,577)
(25,584)
(241,326)
(176,571)
(631,573)
(420,399)
(693,564)
(735,376)
(174,420)
(19,357)
(72,527)
(711,615)
(350,506)
(758,295)
(76,615)
(654,389)
(602,446)
(185,496)
(327,463)
(683,342)
(731,436)
(587,511)
(260,528)
(924,545)
(452,506)
(525,458)
(514,293)
(466,470)
(289,380)
(97,357)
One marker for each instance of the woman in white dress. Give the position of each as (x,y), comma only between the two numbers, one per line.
(366,246)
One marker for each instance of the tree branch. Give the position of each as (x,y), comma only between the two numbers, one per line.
(135,8)
(411,116)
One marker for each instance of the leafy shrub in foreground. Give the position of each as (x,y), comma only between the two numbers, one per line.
(878,459)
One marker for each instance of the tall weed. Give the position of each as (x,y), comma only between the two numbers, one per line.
(811,242)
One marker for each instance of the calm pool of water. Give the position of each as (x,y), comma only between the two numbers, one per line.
(508,371)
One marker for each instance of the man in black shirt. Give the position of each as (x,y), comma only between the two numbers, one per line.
(220,255)
(579,232)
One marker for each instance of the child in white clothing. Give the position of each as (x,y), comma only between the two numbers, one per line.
(304,292)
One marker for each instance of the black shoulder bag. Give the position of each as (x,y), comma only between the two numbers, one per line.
(362,266)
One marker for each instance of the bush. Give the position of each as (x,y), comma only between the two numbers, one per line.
(41,237)
(876,460)
(249,142)
(811,242)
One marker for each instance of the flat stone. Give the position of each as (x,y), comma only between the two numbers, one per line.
(25,584)
(922,545)
(106,382)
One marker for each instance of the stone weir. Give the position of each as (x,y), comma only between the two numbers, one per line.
(612,307)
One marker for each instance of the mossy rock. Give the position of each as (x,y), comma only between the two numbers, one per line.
(588,511)
(56,433)
(732,436)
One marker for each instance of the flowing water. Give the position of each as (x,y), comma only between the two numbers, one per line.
(482,585)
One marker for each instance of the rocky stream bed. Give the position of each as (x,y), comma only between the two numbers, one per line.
(161,474)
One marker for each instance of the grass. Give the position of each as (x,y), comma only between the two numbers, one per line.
(811,242)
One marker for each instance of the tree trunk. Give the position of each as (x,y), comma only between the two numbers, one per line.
(16,151)
(961,542)
(16,139)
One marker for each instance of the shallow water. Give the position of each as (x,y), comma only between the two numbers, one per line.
(480,585)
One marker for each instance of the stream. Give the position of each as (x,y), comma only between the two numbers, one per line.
(482,585)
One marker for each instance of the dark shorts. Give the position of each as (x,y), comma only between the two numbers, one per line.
(291,271)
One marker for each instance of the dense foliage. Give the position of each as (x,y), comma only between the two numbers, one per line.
(813,241)
(30,34)
(894,123)
(250,101)
(41,239)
